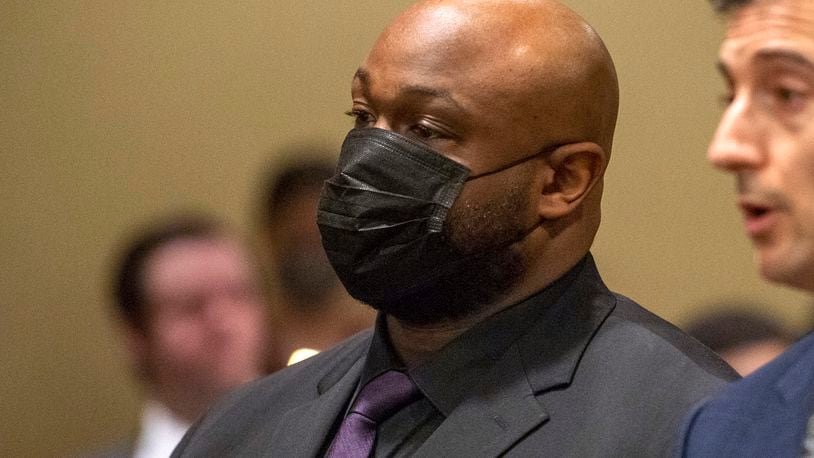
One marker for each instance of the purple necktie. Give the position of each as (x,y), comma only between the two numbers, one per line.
(379,399)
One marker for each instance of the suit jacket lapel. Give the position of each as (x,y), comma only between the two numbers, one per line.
(552,349)
(794,388)
(502,410)
(303,431)
(507,405)
(794,385)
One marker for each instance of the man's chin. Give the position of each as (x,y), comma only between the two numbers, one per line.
(458,296)
(427,308)
(789,269)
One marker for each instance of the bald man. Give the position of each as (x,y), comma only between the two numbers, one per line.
(464,205)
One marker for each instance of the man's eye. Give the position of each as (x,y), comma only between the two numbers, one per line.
(788,95)
(423,132)
(790,100)
(361,118)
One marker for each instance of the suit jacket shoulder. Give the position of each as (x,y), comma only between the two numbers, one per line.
(636,335)
(250,416)
(764,414)
(629,390)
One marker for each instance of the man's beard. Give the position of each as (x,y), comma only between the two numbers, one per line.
(483,235)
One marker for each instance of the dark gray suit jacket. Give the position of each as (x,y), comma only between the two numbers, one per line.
(597,375)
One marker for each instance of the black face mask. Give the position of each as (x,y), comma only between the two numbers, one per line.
(381,216)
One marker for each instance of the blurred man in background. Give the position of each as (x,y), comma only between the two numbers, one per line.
(193,322)
(746,340)
(309,307)
(766,140)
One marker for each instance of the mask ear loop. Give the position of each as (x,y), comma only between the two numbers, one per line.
(467,259)
(546,150)
(533,227)
(433,276)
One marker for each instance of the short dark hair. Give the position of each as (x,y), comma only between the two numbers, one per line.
(128,281)
(732,327)
(285,184)
(725,6)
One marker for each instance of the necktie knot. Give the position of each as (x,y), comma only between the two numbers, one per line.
(385,395)
(377,401)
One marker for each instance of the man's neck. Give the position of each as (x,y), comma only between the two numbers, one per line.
(182,406)
(414,343)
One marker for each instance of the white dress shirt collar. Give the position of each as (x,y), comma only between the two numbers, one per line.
(160,431)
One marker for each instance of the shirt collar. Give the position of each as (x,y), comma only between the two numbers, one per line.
(160,431)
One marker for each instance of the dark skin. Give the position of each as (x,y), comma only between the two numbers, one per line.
(486,84)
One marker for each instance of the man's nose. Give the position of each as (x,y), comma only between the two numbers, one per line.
(222,311)
(383,123)
(737,143)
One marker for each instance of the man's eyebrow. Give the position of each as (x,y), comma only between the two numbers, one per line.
(363,76)
(426,91)
(790,56)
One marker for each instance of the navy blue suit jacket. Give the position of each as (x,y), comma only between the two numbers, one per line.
(762,415)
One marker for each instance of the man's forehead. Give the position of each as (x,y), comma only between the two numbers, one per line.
(450,62)
(461,32)
(431,19)
(770,30)
(363,80)
(772,20)
(186,262)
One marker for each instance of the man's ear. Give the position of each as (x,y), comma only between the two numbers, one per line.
(574,170)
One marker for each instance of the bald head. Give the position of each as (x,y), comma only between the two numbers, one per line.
(535,63)
(524,95)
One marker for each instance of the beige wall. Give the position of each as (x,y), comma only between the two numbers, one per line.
(113,111)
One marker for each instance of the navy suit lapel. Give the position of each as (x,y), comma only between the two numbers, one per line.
(796,389)
(770,419)
(795,384)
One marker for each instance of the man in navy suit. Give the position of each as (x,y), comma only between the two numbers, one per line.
(766,139)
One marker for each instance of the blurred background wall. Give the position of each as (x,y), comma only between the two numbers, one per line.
(115,111)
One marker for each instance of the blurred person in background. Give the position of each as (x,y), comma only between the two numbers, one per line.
(192,318)
(309,308)
(745,339)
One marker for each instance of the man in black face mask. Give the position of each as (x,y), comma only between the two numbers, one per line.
(463,208)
